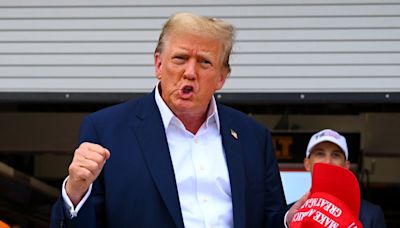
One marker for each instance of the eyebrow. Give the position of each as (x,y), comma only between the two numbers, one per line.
(339,151)
(202,54)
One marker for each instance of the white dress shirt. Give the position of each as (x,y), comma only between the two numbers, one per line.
(200,169)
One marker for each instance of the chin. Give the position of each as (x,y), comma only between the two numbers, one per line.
(184,105)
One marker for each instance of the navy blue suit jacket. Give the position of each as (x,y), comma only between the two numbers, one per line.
(137,187)
(371,215)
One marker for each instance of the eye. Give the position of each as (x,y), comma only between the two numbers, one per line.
(319,153)
(205,63)
(178,59)
(337,155)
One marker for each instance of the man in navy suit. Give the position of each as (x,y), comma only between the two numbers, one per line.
(176,157)
(328,146)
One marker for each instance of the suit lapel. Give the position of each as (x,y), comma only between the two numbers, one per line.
(151,136)
(233,151)
(153,143)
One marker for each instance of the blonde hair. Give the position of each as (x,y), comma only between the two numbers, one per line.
(201,25)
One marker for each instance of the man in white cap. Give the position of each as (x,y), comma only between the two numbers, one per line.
(328,146)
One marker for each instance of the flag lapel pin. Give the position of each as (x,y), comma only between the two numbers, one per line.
(234,134)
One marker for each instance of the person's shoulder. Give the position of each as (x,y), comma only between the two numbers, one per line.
(241,120)
(223,109)
(367,206)
(371,215)
(236,114)
(119,111)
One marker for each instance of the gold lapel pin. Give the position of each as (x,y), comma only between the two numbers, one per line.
(234,134)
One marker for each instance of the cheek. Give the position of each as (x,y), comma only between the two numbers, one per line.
(308,165)
(215,83)
(340,162)
(172,74)
(318,160)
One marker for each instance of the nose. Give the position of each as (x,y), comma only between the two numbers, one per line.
(190,70)
(328,160)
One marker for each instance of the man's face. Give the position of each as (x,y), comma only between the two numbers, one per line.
(326,152)
(190,70)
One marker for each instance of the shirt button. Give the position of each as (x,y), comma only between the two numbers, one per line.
(205,200)
(196,140)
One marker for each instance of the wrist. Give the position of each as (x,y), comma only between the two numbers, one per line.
(73,195)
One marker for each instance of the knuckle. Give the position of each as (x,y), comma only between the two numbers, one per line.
(84,174)
(72,167)
(96,166)
(79,151)
(85,144)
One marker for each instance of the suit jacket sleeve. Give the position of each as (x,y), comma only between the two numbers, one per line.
(275,203)
(91,213)
(371,215)
(379,219)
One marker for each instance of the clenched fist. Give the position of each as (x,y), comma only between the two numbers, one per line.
(85,167)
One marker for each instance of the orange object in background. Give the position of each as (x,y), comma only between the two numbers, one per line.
(4,225)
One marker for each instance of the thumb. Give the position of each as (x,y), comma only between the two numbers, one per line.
(301,201)
(296,207)
(107,154)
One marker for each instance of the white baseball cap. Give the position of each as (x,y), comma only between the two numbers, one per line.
(328,135)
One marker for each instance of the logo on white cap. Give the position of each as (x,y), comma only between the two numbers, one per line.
(328,135)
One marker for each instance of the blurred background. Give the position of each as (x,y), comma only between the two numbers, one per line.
(298,66)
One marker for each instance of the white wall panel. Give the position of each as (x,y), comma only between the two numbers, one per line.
(312,84)
(240,47)
(225,9)
(255,22)
(114,84)
(282,45)
(239,59)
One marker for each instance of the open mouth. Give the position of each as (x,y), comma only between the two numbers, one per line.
(186,92)
(187,89)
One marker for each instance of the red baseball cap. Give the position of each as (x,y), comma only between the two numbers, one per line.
(334,200)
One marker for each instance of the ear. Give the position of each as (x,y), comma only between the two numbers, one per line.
(307,164)
(347,164)
(158,64)
(222,78)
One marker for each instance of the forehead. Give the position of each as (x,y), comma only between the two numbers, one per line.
(200,42)
(326,146)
